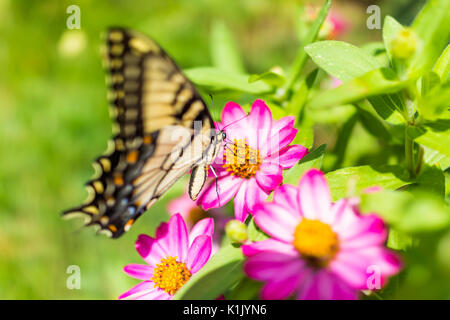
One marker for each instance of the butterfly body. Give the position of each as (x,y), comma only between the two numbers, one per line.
(164,129)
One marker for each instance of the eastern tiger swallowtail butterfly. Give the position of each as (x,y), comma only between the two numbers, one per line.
(164,129)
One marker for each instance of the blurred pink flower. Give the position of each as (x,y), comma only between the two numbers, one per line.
(319,249)
(251,164)
(192,213)
(335,82)
(173,256)
(334,25)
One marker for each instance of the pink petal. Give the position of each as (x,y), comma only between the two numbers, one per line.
(139,271)
(269,245)
(370,231)
(272,265)
(269,176)
(284,122)
(314,195)
(278,140)
(178,237)
(342,216)
(199,253)
(276,220)
(291,155)
(240,211)
(325,286)
(351,267)
(220,191)
(203,227)
(157,294)
(232,112)
(287,195)
(150,249)
(388,262)
(162,236)
(341,291)
(138,290)
(254,195)
(260,125)
(234,121)
(278,289)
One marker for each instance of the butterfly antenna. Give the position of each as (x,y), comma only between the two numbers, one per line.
(234,122)
(214,110)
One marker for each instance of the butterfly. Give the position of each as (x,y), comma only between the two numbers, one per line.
(163,130)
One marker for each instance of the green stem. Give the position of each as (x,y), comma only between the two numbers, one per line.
(409,155)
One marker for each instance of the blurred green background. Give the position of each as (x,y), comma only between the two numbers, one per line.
(54,120)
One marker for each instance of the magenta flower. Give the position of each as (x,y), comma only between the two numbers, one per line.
(251,164)
(173,256)
(319,249)
(192,213)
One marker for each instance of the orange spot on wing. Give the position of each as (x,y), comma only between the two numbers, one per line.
(118,179)
(147,139)
(132,156)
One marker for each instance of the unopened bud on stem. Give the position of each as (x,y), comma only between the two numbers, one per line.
(236,231)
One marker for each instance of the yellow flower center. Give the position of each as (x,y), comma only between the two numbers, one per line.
(241,160)
(170,275)
(316,242)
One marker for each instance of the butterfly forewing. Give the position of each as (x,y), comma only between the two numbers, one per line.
(156,111)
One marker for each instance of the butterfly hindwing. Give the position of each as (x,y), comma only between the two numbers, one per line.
(161,125)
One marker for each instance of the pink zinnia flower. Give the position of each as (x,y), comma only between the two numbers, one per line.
(173,256)
(192,213)
(319,249)
(251,164)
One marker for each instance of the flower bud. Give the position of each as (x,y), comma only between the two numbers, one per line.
(72,43)
(236,231)
(404,44)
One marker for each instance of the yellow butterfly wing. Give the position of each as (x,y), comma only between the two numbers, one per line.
(161,125)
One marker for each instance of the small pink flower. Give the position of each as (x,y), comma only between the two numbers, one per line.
(192,213)
(173,256)
(251,164)
(319,249)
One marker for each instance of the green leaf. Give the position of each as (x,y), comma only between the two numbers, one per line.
(305,135)
(398,240)
(218,80)
(219,274)
(298,100)
(342,140)
(411,213)
(311,160)
(224,52)
(270,77)
(247,289)
(437,99)
(372,122)
(377,50)
(375,82)
(432,136)
(354,180)
(255,233)
(431,179)
(442,66)
(429,81)
(347,62)
(301,57)
(341,60)
(432,25)
(435,158)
